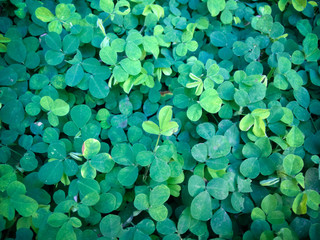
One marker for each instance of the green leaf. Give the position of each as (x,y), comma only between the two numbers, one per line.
(299,205)
(66,232)
(246,122)
(210,101)
(165,115)
(196,185)
(90,148)
(44,14)
(57,219)
(91,199)
(132,67)
(7,175)
(276,217)
(144,158)
(292,164)
(289,188)
(17,50)
(257,214)
(221,223)
(107,203)
(51,172)
(215,6)
(110,226)
(98,88)
(128,175)
(122,154)
(53,57)
(295,138)
(151,127)
(269,203)
(201,207)
(150,44)
(169,128)
(102,162)
(74,75)
(159,195)
(218,188)
(25,206)
(141,202)
(200,152)
(159,170)
(299,5)
(70,44)
(218,146)
(313,200)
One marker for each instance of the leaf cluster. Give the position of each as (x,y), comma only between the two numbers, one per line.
(144,119)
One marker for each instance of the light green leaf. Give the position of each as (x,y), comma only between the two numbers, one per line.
(90,148)
(215,6)
(210,101)
(108,55)
(44,14)
(151,127)
(107,6)
(295,138)
(60,108)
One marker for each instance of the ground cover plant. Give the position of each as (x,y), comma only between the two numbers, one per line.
(147,119)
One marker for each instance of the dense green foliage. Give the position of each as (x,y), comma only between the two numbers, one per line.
(144,119)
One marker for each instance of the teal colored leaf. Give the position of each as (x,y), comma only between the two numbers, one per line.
(196,185)
(221,223)
(51,172)
(74,75)
(110,226)
(159,170)
(98,88)
(80,115)
(159,195)
(201,207)
(218,188)
(128,175)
